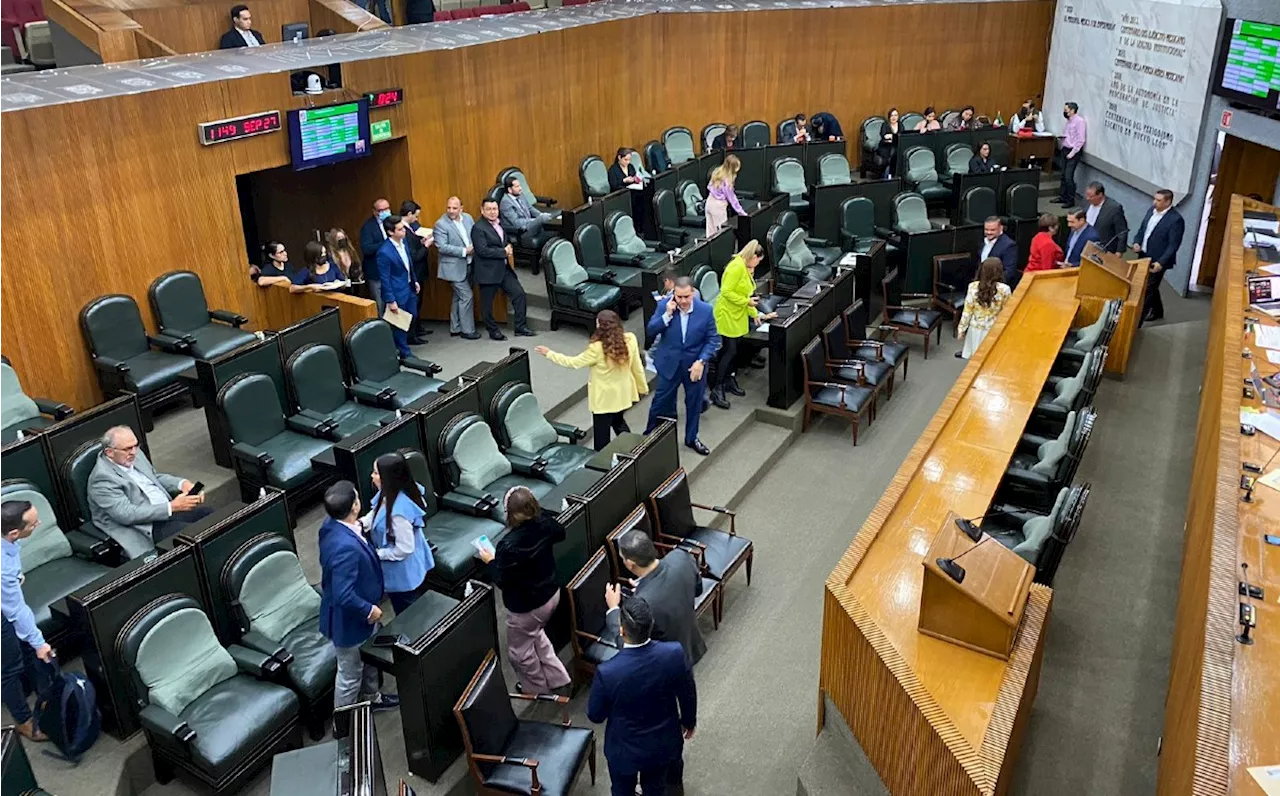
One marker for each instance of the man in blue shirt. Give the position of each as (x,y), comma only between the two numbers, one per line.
(21,636)
(399,286)
(1081,233)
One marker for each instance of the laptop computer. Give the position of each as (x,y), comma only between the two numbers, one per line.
(1264,292)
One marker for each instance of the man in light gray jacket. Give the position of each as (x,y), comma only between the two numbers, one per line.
(517,213)
(453,241)
(132,503)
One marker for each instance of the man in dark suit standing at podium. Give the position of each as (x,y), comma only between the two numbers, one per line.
(242,33)
(1159,236)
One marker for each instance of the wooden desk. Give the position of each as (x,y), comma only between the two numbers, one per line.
(934,717)
(1222,712)
(274,307)
(1040,147)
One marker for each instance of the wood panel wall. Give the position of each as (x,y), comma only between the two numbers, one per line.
(196,25)
(105,213)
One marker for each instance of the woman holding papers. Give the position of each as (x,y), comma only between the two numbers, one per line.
(732,308)
(982,304)
(320,272)
(523,566)
(395,524)
(623,174)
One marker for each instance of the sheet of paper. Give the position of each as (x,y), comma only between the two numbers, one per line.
(1265,422)
(398,318)
(1273,357)
(1268,778)
(1274,270)
(1271,479)
(764,327)
(1267,336)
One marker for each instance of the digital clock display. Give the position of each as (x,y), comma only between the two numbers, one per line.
(385,98)
(240,127)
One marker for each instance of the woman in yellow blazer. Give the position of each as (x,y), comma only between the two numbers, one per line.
(733,307)
(617,374)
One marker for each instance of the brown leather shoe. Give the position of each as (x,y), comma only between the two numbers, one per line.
(31,732)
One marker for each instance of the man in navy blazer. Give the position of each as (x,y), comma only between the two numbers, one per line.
(1082,232)
(371,239)
(1159,236)
(999,245)
(351,583)
(395,276)
(689,341)
(647,695)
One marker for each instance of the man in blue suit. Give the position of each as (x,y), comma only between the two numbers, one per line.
(689,341)
(1082,232)
(999,245)
(351,579)
(1159,236)
(395,276)
(647,695)
(371,238)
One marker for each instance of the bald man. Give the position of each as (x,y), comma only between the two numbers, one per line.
(453,241)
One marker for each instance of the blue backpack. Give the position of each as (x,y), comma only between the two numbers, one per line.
(67,712)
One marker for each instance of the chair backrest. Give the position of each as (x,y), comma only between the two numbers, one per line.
(755,134)
(316,376)
(1069,389)
(775,239)
(910,213)
(112,327)
(664,209)
(947,118)
(690,199)
(622,235)
(1022,200)
(678,142)
(815,363)
(958,157)
(251,407)
(707,283)
(908,121)
(594,176)
(484,711)
(170,648)
(710,133)
(858,217)
(470,454)
(796,255)
(372,350)
(48,542)
(519,419)
(75,476)
(268,587)
(786,130)
(788,177)
(589,241)
(833,169)
(1051,455)
(1037,530)
(978,204)
(921,165)
(562,264)
(39,40)
(1054,547)
(655,157)
(585,605)
(834,339)
(1090,337)
(177,298)
(637,160)
(891,288)
(15,407)
(528,194)
(871,131)
(672,506)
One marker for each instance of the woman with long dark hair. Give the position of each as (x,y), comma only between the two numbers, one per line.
(523,566)
(395,526)
(275,266)
(319,273)
(344,255)
(887,148)
(982,304)
(617,374)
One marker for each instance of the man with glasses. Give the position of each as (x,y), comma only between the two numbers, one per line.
(132,503)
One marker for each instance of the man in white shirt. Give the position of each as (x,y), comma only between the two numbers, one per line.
(396,279)
(453,242)
(242,33)
(132,503)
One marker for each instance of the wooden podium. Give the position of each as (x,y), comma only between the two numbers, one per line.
(982,611)
(1105,276)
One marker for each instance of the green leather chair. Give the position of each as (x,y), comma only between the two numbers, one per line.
(922,174)
(692,206)
(977,204)
(588,241)
(127,359)
(377,376)
(315,376)
(18,412)
(594,176)
(209,711)
(833,169)
(908,121)
(1040,537)
(709,134)
(755,134)
(911,214)
(870,133)
(1086,338)
(75,473)
(958,156)
(626,247)
(1022,201)
(278,612)
(637,160)
(1042,465)
(858,226)
(795,263)
(528,438)
(678,143)
(576,294)
(655,157)
(707,282)
(947,118)
(269,449)
(788,178)
(666,217)
(1066,393)
(55,562)
(539,203)
(474,466)
(177,300)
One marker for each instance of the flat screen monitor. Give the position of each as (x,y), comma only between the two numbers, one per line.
(295,31)
(1249,64)
(329,134)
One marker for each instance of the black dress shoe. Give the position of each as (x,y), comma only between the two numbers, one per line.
(417,341)
(497,336)
(717,398)
(455,334)
(526,332)
(706,404)
(759,361)
(697,447)
(731,386)
(425,331)
(472,336)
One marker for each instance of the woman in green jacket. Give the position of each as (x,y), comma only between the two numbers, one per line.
(733,307)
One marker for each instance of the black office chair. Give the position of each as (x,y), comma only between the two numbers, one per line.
(858,226)
(692,205)
(588,241)
(1022,201)
(870,130)
(709,134)
(523,432)
(671,232)
(755,134)
(788,178)
(21,413)
(655,157)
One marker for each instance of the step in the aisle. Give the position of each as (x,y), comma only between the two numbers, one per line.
(727,478)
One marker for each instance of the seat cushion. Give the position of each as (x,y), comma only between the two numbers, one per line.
(233,717)
(451,534)
(410,386)
(1023,461)
(891,352)
(559,750)
(722,550)
(924,319)
(151,371)
(54,580)
(854,397)
(314,662)
(598,653)
(216,339)
(292,453)
(933,190)
(708,591)
(876,373)
(180,659)
(352,416)
(954,300)
(595,297)
(564,460)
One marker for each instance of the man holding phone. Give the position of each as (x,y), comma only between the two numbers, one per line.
(132,503)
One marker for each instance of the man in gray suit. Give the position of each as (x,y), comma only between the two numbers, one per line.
(453,242)
(132,503)
(519,214)
(669,585)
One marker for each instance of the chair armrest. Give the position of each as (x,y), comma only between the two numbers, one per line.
(90,548)
(1008,511)
(465,500)
(164,724)
(732,515)
(423,366)
(55,409)
(878,345)
(228,317)
(546,201)
(569,432)
(526,463)
(110,364)
(253,662)
(251,455)
(312,424)
(256,642)
(917,296)
(595,639)
(601,275)
(1045,410)
(562,701)
(381,397)
(1028,479)
(885,232)
(170,344)
(823,242)
(1029,442)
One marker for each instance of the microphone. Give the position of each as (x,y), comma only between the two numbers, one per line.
(1248,614)
(974,532)
(1107,246)
(951,568)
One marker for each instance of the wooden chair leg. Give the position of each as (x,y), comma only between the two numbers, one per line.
(854,424)
(906,362)
(751,557)
(591,761)
(808,413)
